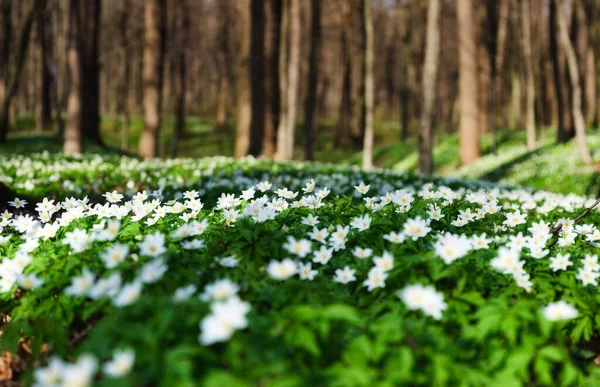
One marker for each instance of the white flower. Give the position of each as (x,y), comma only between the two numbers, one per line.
(220,290)
(121,364)
(376,279)
(425,298)
(80,374)
(184,293)
(81,284)
(153,245)
(310,186)
(362,253)
(114,255)
(451,247)
(229,261)
(323,255)
(318,235)
(29,281)
(129,294)
(385,262)
(395,237)
(591,262)
(507,261)
(226,318)
(153,270)
(50,375)
(282,270)
(479,242)
(345,275)
(559,311)
(560,262)
(416,228)
(113,197)
(361,223)
(106,286)
(300,247)
(362,188)
(587,276)
(18,203)
(310,220)
(514,218)
(306,271)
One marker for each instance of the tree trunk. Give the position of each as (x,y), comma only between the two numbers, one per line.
(272,92)
(311,96)
(73,138)
(468,130)
(287,123)
(125,58)
(530,86)
(346,102)
(222,57)
(88,38)
(430,70)
(153,58)
(43,101)
(555,52)
(578,119)
(11,80)
(257,80)
(369,87)
(244,103)
(180,88)
(585,58)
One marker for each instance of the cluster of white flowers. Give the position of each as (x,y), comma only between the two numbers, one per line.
(424,298)
(81,373)
(309,248)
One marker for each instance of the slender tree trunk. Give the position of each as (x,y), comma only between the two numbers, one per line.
(125,57)
(72,135)
(244,102)
(311,96)
(585,58)
(579,121)
(88,40)
(154,19)
(285,133)
(556,67)
(222,58)
(180,88)
(272,91)
(11,82)
(257,81)
(430,74)
(468,130)
(346,101)
(369,87)
(530,86)
(43,101)
(7,29)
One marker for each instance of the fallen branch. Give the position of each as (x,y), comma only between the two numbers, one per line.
(558,228)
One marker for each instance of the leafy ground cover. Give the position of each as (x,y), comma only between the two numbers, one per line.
(222,272)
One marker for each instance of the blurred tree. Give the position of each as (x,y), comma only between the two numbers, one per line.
(43,108)
(530,86)
(258,73)
(469,132)
(183,27)
(368,55)
(272,48)
(12,76)
(153,75)
(72,135)
(289,74)
(578,118)
(311,96)
(244,103)
(124,57)
(430,75)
